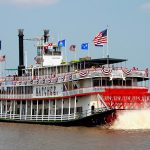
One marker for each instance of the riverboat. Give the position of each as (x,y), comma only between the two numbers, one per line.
(86,92)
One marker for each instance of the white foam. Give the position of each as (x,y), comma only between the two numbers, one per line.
(133,119)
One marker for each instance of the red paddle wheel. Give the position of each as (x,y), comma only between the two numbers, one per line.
(129,99)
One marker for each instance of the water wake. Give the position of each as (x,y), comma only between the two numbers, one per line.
(133,119)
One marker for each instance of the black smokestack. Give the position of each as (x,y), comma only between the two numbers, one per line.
(46,35)
(21,53)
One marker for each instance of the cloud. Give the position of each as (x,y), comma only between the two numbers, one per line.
(145,5)
(30,2)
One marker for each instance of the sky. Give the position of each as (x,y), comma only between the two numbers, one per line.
(78,21)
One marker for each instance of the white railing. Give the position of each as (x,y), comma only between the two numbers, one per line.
(16,96)
(46,118)
(85,91)
(39,117)
(72,92)
(58,94)
(91,73)
(66,93)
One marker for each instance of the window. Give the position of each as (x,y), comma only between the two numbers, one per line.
(95,82)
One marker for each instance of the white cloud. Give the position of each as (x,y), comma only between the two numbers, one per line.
(145,5)
(30,2)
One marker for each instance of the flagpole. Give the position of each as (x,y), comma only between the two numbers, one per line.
(103,51)
(75,54)
(107,48)
(66,51)
(26,59)
(107,41)
(5,68)
(88,50)
(42,51)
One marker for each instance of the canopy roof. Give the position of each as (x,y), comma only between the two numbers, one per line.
(103,61)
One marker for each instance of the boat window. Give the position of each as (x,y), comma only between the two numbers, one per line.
(95,82)
(117,82)
(128,82)
(65,110)
(79,109)
(104,82)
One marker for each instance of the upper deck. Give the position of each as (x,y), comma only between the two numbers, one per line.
(51,75)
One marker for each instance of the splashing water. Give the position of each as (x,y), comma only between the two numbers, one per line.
(133,119)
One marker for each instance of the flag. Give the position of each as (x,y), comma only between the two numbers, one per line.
(72,48)
(2,58)
(38,59)
(50,46)
(101,38)
(0,45)
(62,43)
(84,46)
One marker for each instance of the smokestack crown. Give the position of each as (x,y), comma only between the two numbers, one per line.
(46,35)
(20,32)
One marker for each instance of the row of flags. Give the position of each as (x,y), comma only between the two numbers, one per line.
(99,40)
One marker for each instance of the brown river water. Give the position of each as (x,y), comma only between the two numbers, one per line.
(121,136)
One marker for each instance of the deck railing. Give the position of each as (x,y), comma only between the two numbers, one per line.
(46,118)
(16,96)
(61,94)
(90,72)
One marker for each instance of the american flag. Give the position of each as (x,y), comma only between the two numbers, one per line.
(38,59)
(72,48)
(101,38)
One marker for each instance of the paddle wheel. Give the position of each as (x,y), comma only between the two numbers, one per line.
(127,99)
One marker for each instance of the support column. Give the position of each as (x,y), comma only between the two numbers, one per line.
(38,73)
(5,109)
(14,109)
(49,109)
(20,109)
(69,110)
(1,107)
(24,93)
(55,109)
(75,106)
(42,109)
(37,110)
(131,82)
(31,109)
(62,107)
(10,109)
(26,111)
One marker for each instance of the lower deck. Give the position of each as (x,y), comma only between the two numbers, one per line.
(50,110)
